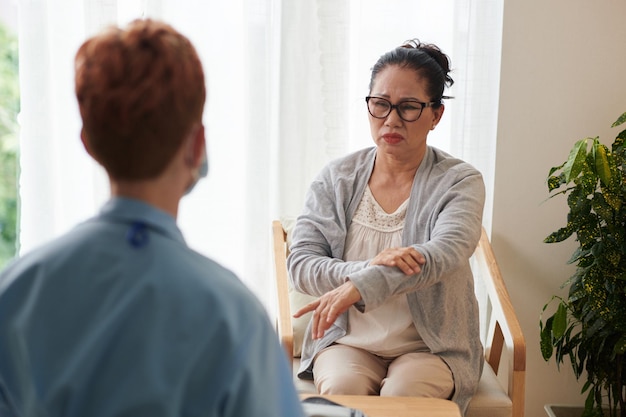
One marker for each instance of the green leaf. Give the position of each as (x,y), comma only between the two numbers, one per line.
(578,254)
(560,321)
(554,182)
(618,144)
(614,198)
(602,207)
(619,120)
(560,235)
(546,340)
(575,160)
(602,162)
(587,180)
(554,169)
(589,401)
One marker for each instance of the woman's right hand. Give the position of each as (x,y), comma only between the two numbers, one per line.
(329,306)
(407,259)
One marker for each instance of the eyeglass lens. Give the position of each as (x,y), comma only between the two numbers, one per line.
(409,111)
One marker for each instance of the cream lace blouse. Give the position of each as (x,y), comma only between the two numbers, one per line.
(387,331)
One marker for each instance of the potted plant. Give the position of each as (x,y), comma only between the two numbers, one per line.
(589,326)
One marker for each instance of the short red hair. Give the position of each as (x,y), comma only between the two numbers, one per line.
(140,90)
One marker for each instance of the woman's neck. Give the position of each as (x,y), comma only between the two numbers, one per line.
(393,169)
(391,181)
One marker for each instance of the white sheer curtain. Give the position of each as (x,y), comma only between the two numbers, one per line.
(286,81)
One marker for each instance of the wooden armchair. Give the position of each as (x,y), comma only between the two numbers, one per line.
(502,385)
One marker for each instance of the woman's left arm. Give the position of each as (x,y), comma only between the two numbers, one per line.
(447,234)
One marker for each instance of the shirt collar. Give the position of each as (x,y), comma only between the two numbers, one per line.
(130,210)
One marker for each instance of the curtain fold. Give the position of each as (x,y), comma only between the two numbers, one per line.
(56,174)
(286,82)
(300,144)
(334,56)
(478,37)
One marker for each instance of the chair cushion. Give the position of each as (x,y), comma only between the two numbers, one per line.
(490,399)
(303,386)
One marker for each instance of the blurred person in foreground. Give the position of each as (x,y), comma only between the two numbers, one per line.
(119,317)
(384,241)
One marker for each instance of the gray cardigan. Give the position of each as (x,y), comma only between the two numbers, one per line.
(443,222)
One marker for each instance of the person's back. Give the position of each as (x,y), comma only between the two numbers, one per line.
(119,317)
(99,325)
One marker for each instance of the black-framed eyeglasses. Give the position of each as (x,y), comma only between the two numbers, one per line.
(408,110)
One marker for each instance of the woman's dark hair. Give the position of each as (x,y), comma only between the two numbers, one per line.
(426,60)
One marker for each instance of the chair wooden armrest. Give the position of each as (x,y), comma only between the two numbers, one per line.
(283,314)
(503,328)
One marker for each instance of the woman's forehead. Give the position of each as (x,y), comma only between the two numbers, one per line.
(395,80)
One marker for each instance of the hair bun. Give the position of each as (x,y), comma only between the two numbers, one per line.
(435,53)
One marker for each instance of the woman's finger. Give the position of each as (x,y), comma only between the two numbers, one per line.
(309,307)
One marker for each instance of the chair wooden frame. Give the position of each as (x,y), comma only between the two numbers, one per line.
(504,337)
(504,329)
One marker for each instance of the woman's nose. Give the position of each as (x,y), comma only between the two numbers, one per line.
(393,118)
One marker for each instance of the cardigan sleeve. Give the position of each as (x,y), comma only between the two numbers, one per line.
(315,261)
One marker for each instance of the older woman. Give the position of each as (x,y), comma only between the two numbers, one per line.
(384,241)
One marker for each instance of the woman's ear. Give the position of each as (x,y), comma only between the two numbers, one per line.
(437,114)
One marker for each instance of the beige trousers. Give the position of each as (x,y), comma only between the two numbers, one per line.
(345,370)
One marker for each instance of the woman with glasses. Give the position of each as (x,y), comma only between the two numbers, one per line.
(384,241)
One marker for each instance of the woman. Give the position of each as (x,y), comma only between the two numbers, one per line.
(385,240)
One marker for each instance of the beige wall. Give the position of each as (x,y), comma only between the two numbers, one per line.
(563,78)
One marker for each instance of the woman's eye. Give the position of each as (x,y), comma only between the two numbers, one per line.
(381,104)
(409,106)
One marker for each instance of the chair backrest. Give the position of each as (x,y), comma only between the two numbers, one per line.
(500,328)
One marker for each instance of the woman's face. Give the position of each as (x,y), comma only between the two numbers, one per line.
(393,135)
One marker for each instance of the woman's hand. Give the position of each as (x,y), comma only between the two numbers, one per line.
(408,260)
(329,306)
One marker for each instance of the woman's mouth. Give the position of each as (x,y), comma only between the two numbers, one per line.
(392,138)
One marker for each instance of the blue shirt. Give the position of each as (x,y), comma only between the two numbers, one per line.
(120,318)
